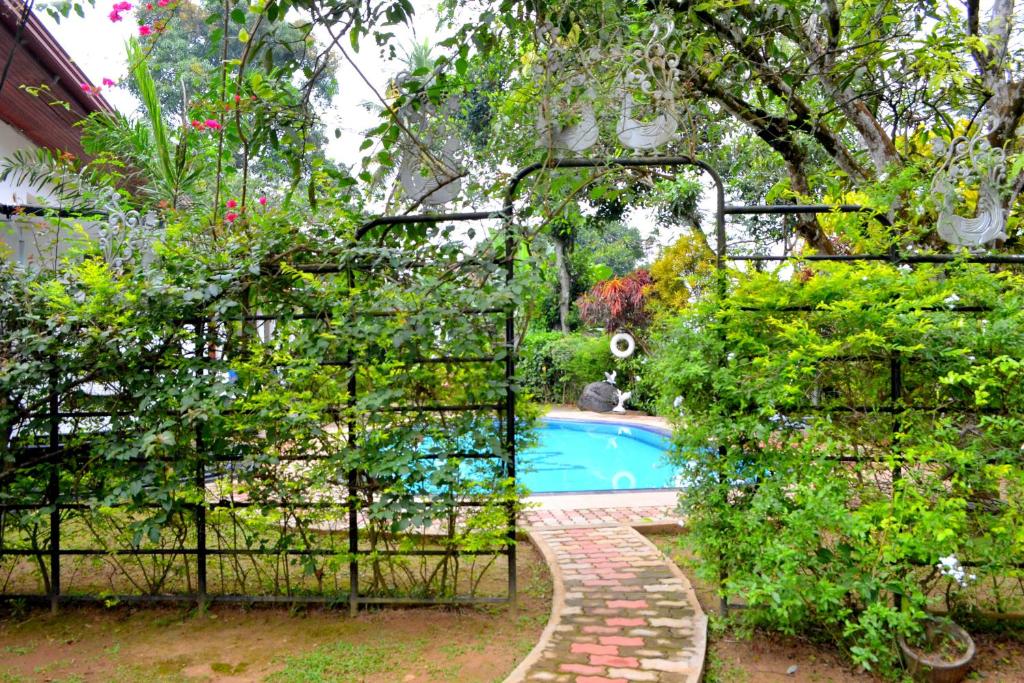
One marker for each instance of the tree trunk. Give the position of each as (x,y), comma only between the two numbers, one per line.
(564,283)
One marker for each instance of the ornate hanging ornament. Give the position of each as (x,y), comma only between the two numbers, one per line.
(429,171)
(967,158)
(567,94)
(653,80)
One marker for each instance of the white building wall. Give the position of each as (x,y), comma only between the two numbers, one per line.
(31,240)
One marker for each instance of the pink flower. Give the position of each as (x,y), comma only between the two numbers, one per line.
(149,6)
(212,124)
(262,201)
(114,15)
(198,125)
(109,83)
(231,203)
(230,216)
(122,6)
(163,3)
(85,87)
(145,30)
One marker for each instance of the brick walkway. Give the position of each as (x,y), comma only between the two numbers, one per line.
(622,612)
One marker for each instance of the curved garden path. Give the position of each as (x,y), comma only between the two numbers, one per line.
(621,611)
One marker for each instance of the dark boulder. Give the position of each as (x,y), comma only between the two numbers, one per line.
(599,397)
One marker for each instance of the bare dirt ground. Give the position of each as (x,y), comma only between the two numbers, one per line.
(234,645)
(769,658)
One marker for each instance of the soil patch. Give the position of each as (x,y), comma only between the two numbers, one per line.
(238,645)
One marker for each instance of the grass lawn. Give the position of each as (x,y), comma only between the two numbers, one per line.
(232,644)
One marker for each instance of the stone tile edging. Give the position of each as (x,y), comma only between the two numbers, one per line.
(557,607)
(602,621)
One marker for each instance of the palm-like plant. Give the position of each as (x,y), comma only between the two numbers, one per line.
(163,164)
(143,154)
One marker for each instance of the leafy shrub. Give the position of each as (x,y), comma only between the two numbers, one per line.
(682,272)
(555,367)
(820,502)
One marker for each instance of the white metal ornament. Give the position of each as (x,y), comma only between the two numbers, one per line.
(429,171)
(638,135)
(965,159)
(654,78)
(576,137)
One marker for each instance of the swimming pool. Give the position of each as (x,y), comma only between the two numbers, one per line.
(595,456)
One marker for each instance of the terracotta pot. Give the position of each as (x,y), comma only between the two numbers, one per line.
(932,668)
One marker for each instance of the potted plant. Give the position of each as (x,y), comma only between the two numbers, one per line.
(941,654)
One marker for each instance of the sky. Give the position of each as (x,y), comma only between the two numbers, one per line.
(96,44)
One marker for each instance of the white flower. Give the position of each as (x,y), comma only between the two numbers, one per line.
(950,567)
(905,268)
(679,401)
(951,300)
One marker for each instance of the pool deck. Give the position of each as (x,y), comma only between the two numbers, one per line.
(621,610)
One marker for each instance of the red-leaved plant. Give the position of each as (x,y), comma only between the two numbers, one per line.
(618,303)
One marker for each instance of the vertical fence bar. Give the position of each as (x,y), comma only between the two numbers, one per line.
(510,406)
(895,394)
(53,493)
(200,510)
(353,480)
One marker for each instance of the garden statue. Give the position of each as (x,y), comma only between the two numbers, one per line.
(622,397)
(610,376)
(966,158)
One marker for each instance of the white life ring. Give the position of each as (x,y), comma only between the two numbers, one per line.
(618,477)
(630,345)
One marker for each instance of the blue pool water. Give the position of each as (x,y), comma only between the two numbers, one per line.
(595,456)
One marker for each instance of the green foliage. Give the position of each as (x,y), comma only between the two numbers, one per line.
(339,661)
(683,272)
(338,387)
(554,367)
(817,499)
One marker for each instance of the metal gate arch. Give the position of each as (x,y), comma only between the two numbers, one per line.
(56,453)
(506,410)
